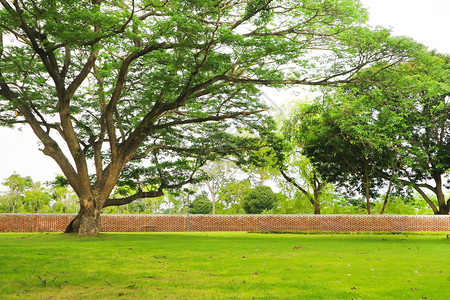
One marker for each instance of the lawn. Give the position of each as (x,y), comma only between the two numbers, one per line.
(223,266)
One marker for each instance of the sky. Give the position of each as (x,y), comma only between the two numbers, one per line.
(427,22)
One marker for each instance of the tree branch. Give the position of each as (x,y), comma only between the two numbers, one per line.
(207,119)
(193,150)
(294,183)
(129,199)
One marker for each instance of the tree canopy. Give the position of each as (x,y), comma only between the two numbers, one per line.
(394,129)
(149,90)
(201,205)
(259,199)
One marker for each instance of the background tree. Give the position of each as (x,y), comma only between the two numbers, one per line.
(25,196)
(37,199)
(393,130)
(259,199)
(150,91)
(410,112)
(338,136)
(64,200)
(219,174)
(177,201)
(201,205)
(259,175)
(302,175)
(17,185)
(231,196)
(295,168)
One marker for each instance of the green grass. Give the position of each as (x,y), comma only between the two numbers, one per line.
(224,266)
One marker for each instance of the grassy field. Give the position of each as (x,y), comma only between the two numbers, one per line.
(223,266)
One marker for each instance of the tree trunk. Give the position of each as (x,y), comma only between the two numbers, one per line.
(317,208)
(87,222)
(443,205)
(367,192)
(316,203)
(444,209)
(384,204)
(386,197)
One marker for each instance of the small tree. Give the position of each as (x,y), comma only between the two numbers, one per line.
(300,173)
(64,200)
(259,199)
(201,205)
(231,196)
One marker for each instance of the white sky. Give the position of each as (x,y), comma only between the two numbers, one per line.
(428,22)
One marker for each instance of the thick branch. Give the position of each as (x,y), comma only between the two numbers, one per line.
(75,84)
(207,119)
(145,127)
(52,149)
(414,184)
(119,86)
(193,150)
(129,199)
(427,199)
(294,183)
(418,187)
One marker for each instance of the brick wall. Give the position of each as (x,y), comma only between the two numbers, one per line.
(174,223)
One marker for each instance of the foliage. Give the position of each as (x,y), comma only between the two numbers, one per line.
(149,91)
(421,97)
(54,198)
(17,186)
(26,196)
(393,129)
(200,205)
(413,102)
(296,168)
(336,147)
(231,196)
(258,200)
(399,206)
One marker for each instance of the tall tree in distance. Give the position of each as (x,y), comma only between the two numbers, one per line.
(149,90)
(218,175)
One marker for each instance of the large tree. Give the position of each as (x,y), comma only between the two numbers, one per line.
(150,90)
(392,129)
(341,139)
(413,102)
